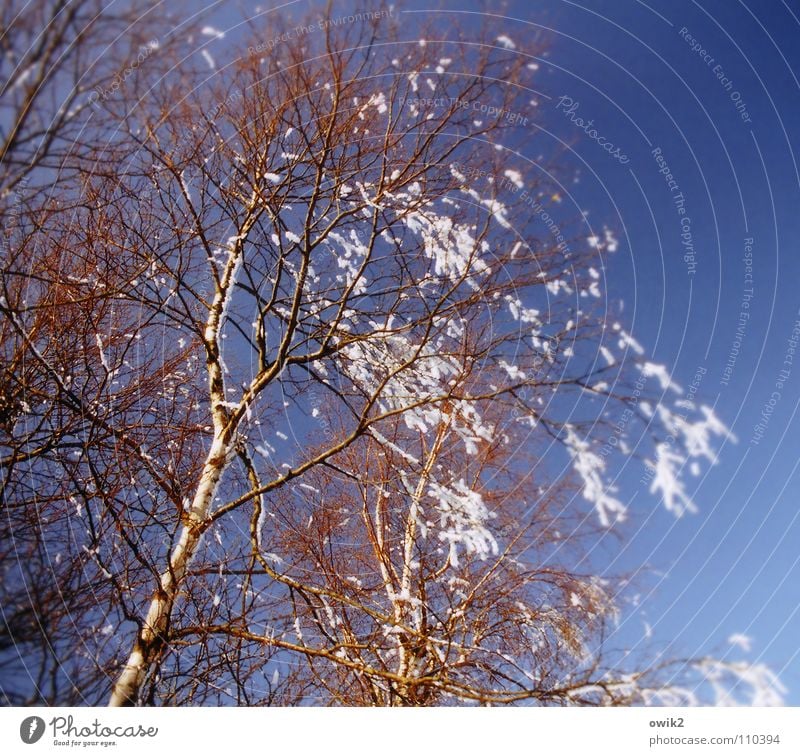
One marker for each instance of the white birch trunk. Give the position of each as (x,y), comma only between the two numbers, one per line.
(150,638)
(147,643)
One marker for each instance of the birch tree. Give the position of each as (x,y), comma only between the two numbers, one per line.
(62,71)
(315,399)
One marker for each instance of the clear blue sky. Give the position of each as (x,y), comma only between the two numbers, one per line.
(734,566)
(714,85)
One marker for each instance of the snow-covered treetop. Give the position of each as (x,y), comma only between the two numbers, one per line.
(333,376)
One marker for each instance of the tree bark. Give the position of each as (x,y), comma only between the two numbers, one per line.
(150,640)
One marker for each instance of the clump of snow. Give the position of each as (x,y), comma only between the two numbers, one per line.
(419,375)
(209,59)
(590,466)
(667,481)
(464,515)
(210,31)
(690,440)
(745,642)
(607,355)
(377,101)
(515,177)
(651,369)
(626,341)
(759,684)
(608,243)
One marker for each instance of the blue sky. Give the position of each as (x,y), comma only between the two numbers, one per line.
(733,566)
(710,87)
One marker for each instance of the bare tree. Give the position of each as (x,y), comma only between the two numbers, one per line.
(65,67)
(304,385)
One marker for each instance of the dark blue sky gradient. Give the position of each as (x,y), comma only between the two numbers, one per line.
(733,566)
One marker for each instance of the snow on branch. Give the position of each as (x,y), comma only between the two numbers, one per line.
(464,516)
(591,467)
